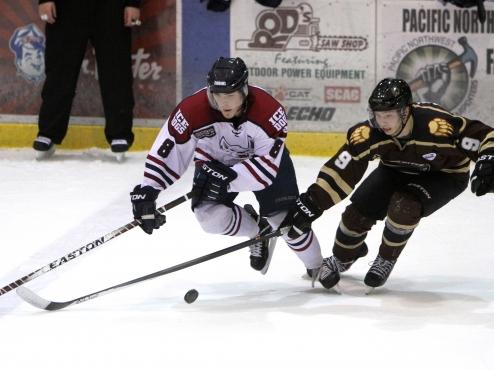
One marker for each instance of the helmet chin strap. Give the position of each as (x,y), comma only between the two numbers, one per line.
(404,119)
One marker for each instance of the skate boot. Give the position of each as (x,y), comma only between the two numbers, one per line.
(44,147)
(261,253)
(119,147)
(379,272)
(329,275)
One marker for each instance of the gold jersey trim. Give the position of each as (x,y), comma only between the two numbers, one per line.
(328,189)
(337,179)
(393,244)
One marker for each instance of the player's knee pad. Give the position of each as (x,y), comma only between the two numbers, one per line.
(355,222)
(405,209)
(213,217)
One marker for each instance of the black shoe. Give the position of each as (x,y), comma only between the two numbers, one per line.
(331,267)
(44,147)
(119,147)
(379,272)
(261,253)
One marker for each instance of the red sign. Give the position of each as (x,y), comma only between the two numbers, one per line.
(22,62)
(342,94)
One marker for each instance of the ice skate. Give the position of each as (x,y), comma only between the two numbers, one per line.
(44,147)
(261,253)
(329,275)
(378,273)
(118,148)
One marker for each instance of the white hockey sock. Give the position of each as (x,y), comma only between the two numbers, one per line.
(306,246)
(217,218)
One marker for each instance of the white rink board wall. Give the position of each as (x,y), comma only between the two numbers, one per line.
(321,59)
(316,57)
(443,52)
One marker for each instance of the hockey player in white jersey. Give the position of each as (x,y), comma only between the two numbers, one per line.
(235,133)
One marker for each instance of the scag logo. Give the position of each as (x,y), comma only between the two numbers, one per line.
(342,94)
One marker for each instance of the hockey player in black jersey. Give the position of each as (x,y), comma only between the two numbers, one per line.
(235,133)
(425,153)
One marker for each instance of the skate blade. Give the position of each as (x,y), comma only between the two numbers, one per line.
(315,278)
(337,289)
(120,157)
(272,244)
(369,290)
(40,156)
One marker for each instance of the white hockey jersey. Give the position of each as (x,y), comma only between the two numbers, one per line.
(195,131)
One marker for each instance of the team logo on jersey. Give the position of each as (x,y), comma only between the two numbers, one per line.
(28,45)
(238,151)
(278,120)
(360,135)
(429,156)
(440,127)
(179,122)
(206,132)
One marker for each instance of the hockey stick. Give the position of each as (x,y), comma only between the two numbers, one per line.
(32,298)
(90,246)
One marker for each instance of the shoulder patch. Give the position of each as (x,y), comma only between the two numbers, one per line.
(179,123)
(440,127)
(278,120)
(360,135)
(205,132)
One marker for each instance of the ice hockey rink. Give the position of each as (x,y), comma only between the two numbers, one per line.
(435,312)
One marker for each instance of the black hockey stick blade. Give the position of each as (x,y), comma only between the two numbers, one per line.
(37,301)
(89,247)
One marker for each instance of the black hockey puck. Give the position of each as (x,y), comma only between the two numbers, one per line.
(191,296)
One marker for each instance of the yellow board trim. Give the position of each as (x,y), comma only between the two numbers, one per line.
(21,135)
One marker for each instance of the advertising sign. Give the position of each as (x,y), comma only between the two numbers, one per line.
(443,52)
(316,57)
(153,64)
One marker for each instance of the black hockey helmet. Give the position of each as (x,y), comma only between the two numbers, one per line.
(228,75)
(390,94)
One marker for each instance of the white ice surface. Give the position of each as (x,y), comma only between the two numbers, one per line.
(435,312)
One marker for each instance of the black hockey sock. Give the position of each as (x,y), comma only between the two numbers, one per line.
(351,234)
(347,243)
(394,239)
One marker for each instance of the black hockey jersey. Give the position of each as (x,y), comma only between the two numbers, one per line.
(439,142)
(251,144)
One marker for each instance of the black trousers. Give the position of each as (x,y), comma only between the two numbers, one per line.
(433,190)
(100,22)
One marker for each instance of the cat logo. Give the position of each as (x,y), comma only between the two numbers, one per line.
(440,127)
(359,135)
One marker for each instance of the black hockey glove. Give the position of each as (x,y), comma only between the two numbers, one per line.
(144,208)
(301,216)
(211,181)
(218,5)
(482,180)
